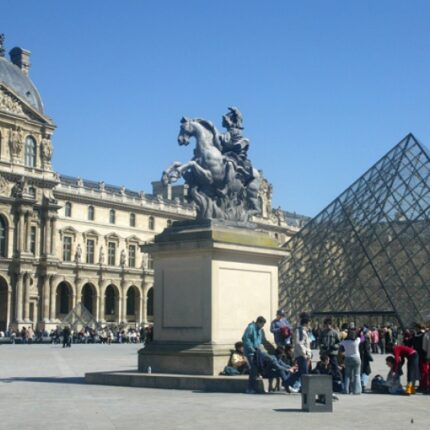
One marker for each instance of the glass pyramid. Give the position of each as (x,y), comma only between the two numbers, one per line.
(366,256)
(78,318)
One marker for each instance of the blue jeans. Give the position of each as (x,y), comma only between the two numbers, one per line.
(302,362)
(352,374)
(253,372)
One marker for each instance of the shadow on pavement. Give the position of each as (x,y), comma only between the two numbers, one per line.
(45,379)
(288,410)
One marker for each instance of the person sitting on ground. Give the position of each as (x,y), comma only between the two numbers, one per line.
(288,356)
(402,353)
(392,384)
(237,363)
(324,367)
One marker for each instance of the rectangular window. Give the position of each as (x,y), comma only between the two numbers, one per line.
(150,262)
(90,251)
(33,240)
(111,253)
(132,256)
(67,248)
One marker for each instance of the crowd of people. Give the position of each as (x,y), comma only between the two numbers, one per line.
(67,336)
(345,353)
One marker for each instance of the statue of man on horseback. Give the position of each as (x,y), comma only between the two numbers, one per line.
(222,182)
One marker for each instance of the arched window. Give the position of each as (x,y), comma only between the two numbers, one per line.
(30,152)
(3,236)
(151,223)
(132,220)
(68,209)
(90,213)
(112,216)
(131,301)
(110,299)
(150,303)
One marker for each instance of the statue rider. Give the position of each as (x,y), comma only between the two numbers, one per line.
(234,146)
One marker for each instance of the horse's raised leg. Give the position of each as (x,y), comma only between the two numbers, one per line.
(202,174)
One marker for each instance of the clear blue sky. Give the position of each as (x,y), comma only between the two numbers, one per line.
(326,87)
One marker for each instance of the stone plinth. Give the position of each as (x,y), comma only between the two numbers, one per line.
(211,280)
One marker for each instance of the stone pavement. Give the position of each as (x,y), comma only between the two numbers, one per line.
(42,387)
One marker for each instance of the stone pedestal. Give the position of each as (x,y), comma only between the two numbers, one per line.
(211,280)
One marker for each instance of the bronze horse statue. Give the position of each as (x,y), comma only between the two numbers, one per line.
(216,186)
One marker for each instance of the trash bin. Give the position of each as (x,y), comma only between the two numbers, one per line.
(317,393)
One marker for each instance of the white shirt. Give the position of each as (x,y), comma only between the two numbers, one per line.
(351,347)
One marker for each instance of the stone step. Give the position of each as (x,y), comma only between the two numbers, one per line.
(220,384)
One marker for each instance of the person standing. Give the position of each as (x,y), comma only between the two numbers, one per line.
(66,337)
(281,329)
(374,336)
(418,345)
(302,345)
(329,346)
(365,349)
(426,348)
(352,362)
(252,339)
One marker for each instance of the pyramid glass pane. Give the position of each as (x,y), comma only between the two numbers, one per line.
(367,254)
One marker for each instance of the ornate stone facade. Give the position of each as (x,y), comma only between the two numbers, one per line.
(65,241)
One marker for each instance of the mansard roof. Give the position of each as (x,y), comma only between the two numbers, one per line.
(13,77)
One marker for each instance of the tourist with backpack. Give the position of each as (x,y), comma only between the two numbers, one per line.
(281,329)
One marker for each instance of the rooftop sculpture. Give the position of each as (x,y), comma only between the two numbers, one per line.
(222,182)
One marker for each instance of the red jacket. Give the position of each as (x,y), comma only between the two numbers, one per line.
(400,352)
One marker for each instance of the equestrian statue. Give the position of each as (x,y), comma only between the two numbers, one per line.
(222,181)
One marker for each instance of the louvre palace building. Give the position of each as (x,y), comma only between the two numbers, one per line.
(67,242)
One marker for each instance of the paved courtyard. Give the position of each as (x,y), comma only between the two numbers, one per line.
(42,387)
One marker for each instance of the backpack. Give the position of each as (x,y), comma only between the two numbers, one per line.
(285,332)
(378,385)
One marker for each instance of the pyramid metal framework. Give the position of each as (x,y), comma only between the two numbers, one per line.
(367,254)
(79,317)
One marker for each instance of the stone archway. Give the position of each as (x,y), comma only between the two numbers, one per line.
(4,304)
(111,307)
(150,304)
(64,299)
(89,298)
(132,308)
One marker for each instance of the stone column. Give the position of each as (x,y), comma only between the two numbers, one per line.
(27,231)
(9,308)
(144,303)
(47,236)
(27,297)
(21,232)
(124,302)
(53,308)
(119,308)
(45,296)
(53,239)
(97,307)
(139,307)
(101,304)
(19,298)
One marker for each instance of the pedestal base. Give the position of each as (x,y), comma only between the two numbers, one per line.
(184,358)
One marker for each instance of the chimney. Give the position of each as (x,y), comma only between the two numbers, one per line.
(21,58)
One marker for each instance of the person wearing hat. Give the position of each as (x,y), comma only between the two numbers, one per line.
(281,329)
